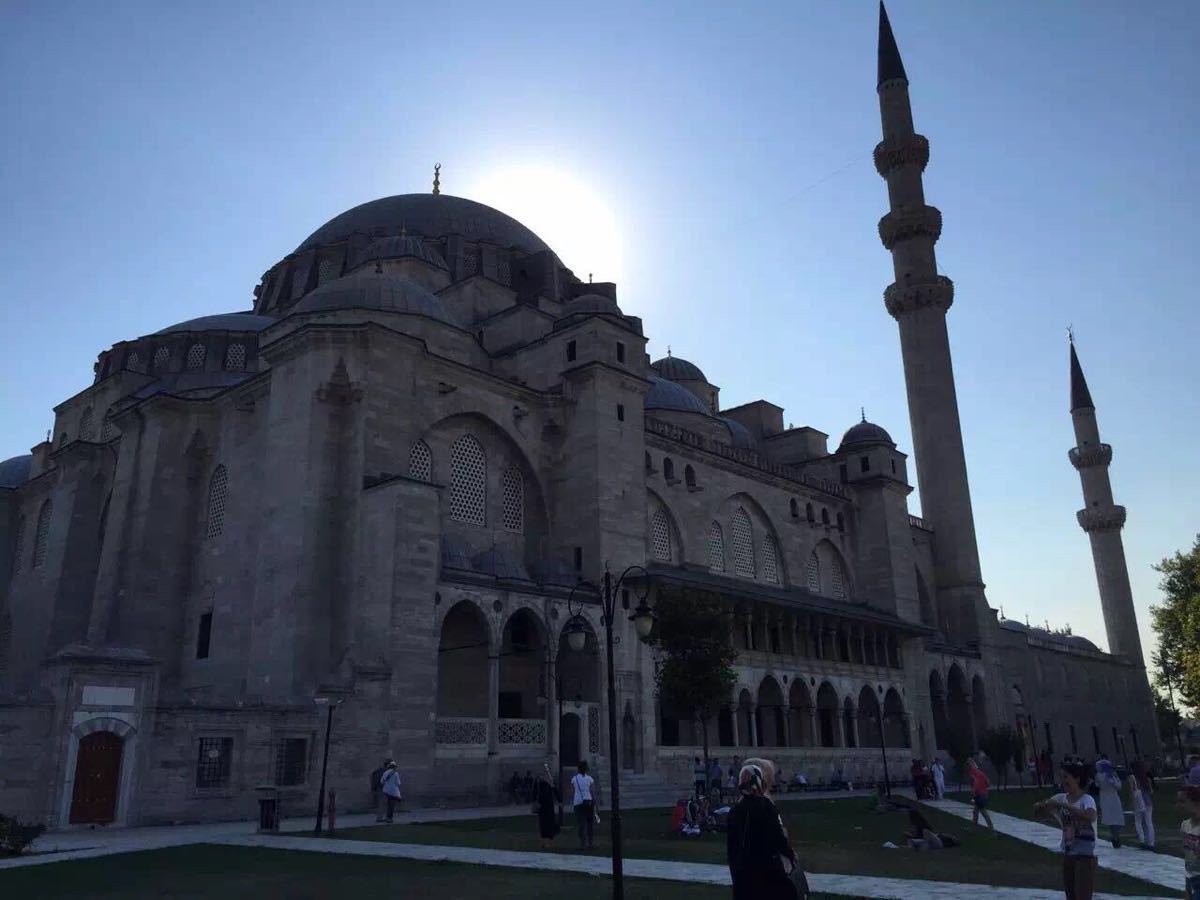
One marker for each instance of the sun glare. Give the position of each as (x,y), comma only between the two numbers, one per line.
(563,211)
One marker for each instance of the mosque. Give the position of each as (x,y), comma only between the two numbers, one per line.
(379,488)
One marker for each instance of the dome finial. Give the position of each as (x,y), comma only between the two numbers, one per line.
(668,351)
(437,181)
(863,410)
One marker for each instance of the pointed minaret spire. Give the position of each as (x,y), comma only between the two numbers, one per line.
(890,64)
(1081,397)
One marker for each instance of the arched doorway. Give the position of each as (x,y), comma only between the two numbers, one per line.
(895,723)
(800,711)
(522,656)
(827,715)
(568,740)
(868,717)
(97,778)
(770,714)
(463,667)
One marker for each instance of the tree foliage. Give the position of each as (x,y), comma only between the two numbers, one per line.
(1176,623)
(694,676)
(998,743)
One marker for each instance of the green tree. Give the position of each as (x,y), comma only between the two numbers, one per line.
(1176,622)
(960,750)
(997,743)
(694,676)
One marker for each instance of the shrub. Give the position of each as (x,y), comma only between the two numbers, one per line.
(16,836)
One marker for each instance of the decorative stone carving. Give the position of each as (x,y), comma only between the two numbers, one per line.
(339,390)
(912,151)
(461,731)
(902,224)
(938,294)
(1101,518)
(522,731)
(1086,457)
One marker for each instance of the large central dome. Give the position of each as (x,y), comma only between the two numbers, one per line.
(430,216)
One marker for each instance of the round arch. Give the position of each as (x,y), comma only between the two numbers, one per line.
(462,664)
(762,526)
(800,714)
(895,720)
(828,729)
(522,665)
(868,717)
(770,712)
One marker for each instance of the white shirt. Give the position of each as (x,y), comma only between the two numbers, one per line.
(390,782)
(583,788)
(1078,837)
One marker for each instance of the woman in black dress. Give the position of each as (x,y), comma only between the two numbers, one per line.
(546,797)
(760,858)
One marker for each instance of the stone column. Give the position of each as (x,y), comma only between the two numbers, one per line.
(493,732)
(754,725)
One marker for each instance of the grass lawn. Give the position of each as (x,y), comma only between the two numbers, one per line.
(838,836)
(242,873)
(1167,814)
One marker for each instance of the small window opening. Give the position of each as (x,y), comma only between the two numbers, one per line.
(203,636)
(864,463)
(689,476)
(620,352)
(570,351)
(824,516)
(841,522)
(578,559)
(808,512)
(893,467)
(668,469)
(795,508)
(620,412)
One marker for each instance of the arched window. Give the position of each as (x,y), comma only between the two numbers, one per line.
(838,580)
(420,462)
(132,361)
(162,356)
(841,522)
(660,535)
(689,476)
(812,574)
(85,425)
(770,562)
(743,544)
(41,537)
(19,549)
(668,469)
(513,486)
(808,512)
(196,356)
(716,547)
(235,357)
(824,516)
(795,508)
(218,492)
(468,480)
(108,430)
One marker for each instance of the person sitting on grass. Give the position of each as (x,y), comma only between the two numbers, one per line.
(1075,812)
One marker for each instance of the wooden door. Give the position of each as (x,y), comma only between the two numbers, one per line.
(97,776)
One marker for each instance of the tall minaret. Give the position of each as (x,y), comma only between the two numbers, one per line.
(918,300)
(1102,520)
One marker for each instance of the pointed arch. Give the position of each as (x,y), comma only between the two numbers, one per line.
(826,573)
(218,492)
(716,547)
(895,721)
(468,481)
(771,714)
(462,671)
(660,535)
(743,543)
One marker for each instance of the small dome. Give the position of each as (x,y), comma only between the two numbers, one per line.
(866,433)
(668,395)
(499,562)
(1013,625)
(676,369)
(368,289)
(592,304)
(235,321)
(456,553)
(396,248)
(14,472)
(556,571)
(739,434)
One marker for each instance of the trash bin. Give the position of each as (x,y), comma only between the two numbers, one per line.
(268,808)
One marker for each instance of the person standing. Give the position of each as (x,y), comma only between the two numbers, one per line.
(939,778)
(547,808)
(714,775)
(377,791)
(698,777)
(1074,811)
(584,802)
(1112,815)
(390,783)
(979,793)
(1141,801)
(760,856)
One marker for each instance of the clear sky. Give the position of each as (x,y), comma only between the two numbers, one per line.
(714,159)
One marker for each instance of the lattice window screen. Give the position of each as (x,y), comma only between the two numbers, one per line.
(85,425)
(812,574)
(19,549)
(716,547)
(41,536)
(743,544)
(660,535)
(235,357)
(326,270)
(108,430)
(218,493)
(468,481)
(162,356)
(420,462)
(838,577)
(133,361)
(196,356)
(470,263)
(504,272)
(514,500)
(770,561)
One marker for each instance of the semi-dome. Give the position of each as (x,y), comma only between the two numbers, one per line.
(676,369)
(866,433)
(396,247)
(667,395)
(369,289)
(427,215)
(739,434)
(592,304)
(14,472)
(234,321)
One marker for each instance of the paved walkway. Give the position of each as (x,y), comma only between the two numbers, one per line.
(1156,868)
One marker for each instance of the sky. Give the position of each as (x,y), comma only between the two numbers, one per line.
(712,159)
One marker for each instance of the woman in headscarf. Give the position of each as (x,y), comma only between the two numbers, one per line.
(546,798)
(1112,816)
(760,857)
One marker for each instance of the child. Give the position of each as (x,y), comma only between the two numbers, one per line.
(1074,811)
(1189,799)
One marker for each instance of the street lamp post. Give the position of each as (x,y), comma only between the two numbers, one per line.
(329,705)
(643,620)
(1037,763)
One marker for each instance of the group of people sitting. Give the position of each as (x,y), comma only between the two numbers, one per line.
(522,790)
(928,781)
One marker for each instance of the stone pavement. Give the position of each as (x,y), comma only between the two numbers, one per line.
(1157,868)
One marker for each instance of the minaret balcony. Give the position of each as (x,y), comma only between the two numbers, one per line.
(903,224)
(938,294)
(1101,518)
(912,150)
(1087,457)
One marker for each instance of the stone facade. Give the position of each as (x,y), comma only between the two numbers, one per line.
(382,486)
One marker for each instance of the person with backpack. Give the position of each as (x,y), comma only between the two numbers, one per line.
(390,784)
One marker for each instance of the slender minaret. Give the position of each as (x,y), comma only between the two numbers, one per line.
(918,300)
(1102,520)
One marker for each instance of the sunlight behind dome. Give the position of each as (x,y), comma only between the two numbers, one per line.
(569,215)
